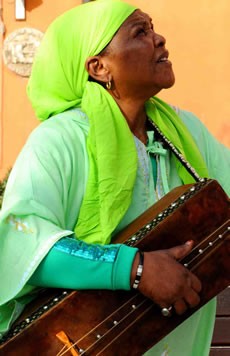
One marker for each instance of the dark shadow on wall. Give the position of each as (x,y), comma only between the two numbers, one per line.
(32,4)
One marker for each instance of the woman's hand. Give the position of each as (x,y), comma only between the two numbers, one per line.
(166,281)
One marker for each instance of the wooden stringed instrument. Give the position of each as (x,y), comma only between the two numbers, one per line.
(124,323)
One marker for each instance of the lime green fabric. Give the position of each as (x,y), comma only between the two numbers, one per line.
(59,81)
(113,165)
(175,130)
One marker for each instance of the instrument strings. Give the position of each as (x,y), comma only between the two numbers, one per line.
(134,321)
(142,302)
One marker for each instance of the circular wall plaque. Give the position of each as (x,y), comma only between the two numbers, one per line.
(19,49)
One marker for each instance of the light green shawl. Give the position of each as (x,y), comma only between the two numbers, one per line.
(59,81)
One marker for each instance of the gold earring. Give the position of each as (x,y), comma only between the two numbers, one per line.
(108,85)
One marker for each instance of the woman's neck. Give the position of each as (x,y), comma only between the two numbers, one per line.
(135,116)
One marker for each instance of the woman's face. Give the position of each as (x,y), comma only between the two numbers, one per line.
(137,58)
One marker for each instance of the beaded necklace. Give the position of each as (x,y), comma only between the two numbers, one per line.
(179,156)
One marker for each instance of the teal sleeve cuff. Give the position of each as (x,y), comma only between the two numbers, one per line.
(122,267)
(76,265)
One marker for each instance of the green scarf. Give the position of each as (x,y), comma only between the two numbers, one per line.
(59,81)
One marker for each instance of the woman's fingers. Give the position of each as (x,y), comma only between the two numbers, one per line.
(195,283)
(180,306)
(191,300)
(167,282)
(179,252)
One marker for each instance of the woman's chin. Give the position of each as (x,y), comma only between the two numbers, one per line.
(169,82)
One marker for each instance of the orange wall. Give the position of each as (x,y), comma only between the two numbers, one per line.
(197,38)
(197,34)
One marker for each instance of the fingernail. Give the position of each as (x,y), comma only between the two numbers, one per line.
(189,242)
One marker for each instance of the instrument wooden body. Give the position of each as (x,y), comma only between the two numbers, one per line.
(124,323)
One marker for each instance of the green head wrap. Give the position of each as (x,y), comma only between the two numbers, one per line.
(59,77)
(59,81)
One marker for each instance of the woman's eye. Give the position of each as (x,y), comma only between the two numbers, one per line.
(141,31)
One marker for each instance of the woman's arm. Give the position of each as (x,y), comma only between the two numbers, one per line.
(74,264)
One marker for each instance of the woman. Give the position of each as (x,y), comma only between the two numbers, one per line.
(95,165)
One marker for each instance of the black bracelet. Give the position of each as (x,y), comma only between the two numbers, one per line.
(139,270)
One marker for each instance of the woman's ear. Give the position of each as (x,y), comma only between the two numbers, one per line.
(97,69)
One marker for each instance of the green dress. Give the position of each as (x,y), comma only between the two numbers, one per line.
(44,194)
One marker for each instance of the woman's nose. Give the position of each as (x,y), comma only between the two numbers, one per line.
(159,41)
